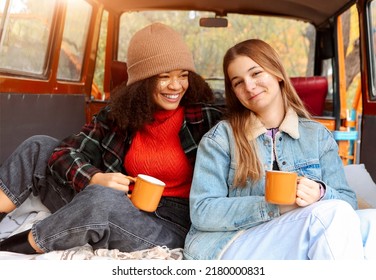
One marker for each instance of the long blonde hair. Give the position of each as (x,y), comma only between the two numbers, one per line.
(239,117)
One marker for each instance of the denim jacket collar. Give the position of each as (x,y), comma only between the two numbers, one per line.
(289,125)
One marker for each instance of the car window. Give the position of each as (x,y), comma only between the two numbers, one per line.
(294,40)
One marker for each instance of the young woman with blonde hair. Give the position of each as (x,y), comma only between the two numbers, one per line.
(267,127)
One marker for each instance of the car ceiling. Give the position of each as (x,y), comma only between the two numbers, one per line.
(318,12)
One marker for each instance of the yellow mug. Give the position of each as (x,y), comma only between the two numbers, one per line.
(280,187)
(147,192)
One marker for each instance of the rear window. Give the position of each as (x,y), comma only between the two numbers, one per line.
(372,35)
(294,40)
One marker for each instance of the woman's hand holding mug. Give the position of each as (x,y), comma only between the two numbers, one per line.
(117,181)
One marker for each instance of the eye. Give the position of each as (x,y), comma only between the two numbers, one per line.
(257,71)
(183,76)
(236,83)
(163,76)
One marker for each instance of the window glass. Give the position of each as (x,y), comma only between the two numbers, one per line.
(349,35)
(351,46)
(373,46)
(72,51)
(294,40)
(24,35)
(327,71)
(98,91)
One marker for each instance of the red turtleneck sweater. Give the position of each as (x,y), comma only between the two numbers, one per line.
(156,151)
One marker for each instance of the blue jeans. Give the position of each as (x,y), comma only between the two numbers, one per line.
(106,218)
(99,216)
(325,230)
(24,172)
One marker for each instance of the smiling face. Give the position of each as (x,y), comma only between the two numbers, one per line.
(256,89)
(171,87)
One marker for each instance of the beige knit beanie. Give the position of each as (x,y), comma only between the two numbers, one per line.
(156,49)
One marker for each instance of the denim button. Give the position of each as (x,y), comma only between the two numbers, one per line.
(271,214)
(284,162)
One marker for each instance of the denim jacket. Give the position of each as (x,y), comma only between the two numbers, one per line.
(221,211)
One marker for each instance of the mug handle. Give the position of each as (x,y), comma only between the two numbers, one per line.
(132,179)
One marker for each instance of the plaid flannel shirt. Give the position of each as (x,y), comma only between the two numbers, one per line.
(100,146)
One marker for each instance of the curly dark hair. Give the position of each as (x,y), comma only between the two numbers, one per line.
(132,106)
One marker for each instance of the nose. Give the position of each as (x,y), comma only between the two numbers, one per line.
(250,84)
(174,84)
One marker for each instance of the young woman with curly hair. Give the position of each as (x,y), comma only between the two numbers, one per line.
(152,126)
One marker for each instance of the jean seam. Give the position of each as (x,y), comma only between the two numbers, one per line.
(149,244)
(7,192)
(62,234)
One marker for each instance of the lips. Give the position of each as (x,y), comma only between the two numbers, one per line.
(171,97)
(253,96)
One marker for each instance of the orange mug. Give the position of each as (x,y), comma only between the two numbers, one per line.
(280,187)
(147,192)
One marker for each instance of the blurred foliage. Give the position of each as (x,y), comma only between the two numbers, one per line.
(288,37)
(100,58)
(25,35)
(350,30)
